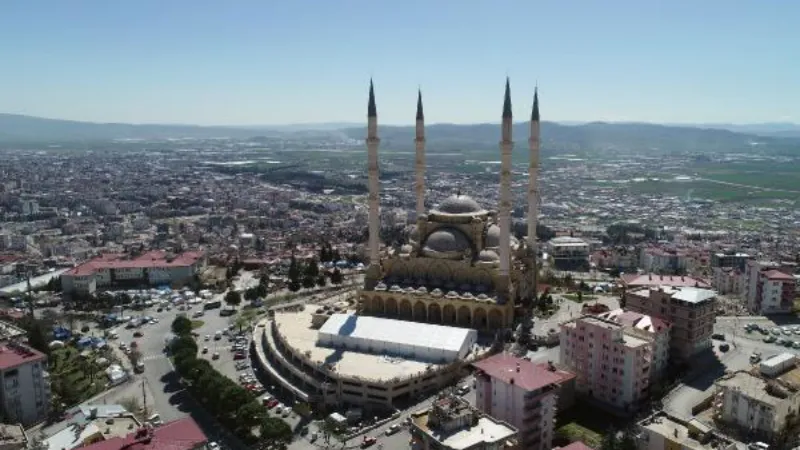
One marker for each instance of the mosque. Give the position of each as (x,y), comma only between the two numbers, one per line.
(461,267)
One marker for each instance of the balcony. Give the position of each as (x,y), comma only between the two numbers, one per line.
(533,407)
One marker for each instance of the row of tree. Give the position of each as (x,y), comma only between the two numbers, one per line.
(234,407)
(307,275)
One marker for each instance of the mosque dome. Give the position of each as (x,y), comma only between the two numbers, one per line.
(493,237)
(447,240)
(488,256)
(459,204)
(412,233)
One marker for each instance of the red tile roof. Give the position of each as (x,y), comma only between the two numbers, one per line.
(182,434)
(152,259)
(14,355)
(650,279)
(530,377)
(778,275)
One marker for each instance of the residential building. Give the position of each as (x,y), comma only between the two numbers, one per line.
(633,281)
(452,424)
(30,207)
(153,268)
(521,393)
(25,391)
(91,424)
(181,434)
(690,310)
(758,404)
(727,280)
(611,364)
(660,331)
(770,288)
(568,252)
(663,432)
(730,259)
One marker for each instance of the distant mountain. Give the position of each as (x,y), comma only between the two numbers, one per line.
(595,136)
(773,129)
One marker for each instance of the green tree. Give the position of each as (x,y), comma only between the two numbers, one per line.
(251,294)
(322,280)
(295,271)
(336,276)
(262,290)
(37,335)
(309,281)
(312,268)
(275,433)
(182,326)
(610,441)
(250,414)
(233,298)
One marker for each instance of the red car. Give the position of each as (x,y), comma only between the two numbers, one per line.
(239,355)
(368,441)
(272,403)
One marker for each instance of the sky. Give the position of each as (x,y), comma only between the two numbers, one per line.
(266,62)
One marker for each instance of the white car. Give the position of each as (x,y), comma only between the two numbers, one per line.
(212,446)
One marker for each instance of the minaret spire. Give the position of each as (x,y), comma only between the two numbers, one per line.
(419,160)
(374,196)
(533,189)
(504,212)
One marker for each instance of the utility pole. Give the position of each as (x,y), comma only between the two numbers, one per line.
(144,396)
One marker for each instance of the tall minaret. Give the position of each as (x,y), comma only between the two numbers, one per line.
(504,213)
(419,184)
(533,173)
(372,165)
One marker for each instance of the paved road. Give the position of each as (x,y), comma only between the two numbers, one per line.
(39,281)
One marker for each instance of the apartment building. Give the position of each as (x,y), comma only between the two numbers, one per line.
(568,252)
(25,389)
(452,424)
(727,280)
(690,310)
(522,394)
(659,331)
(731,260)
(611,364)
(760,405)
(153,268)
(769,288)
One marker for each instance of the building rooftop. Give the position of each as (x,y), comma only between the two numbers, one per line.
(414,334)
(182,434)
(12,434)
(77,433)
(455,425)
(295,327)
(13,354)
(523,373)
(683,293)
(649,279)
(636,320)
(575,446)
(674,431)
(751,386)
(151,259)
(777,275)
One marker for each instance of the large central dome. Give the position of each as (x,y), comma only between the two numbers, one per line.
(446,240)
(459,204)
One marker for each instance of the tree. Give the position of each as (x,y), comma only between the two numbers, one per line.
(610,441)
(250,414)
(182,326)
(233,298)
(37,335)
(336,276)
(321,280)
(251,294)
(295,272)
(275,433)
(262,290)
(309,281)
(627,441)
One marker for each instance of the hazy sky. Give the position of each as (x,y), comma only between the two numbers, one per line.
(299,61)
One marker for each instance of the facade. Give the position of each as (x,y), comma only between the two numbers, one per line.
(452,424)
(663,432)
(769,288)
(690,310)
(568,252)
(153,268)
(461,266)
(731,260)
(25,391)
(763,406)
(521,393)
(611,363)
(659,330)
(727,280)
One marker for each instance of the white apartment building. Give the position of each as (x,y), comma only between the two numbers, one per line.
(727,280)
(768,289)
(756,404)
(25,388)
(522,394)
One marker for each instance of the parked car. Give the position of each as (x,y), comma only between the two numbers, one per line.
(392,429)
(368,441)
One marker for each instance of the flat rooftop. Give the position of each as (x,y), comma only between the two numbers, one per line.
(295,327)
(486,430)
(673,430)
(751,386)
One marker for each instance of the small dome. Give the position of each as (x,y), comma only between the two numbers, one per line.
(412,232)
(493,237)
(406,249)
(488,256)
(459,204)
(447,240)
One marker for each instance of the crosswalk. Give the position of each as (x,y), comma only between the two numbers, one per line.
(153,357)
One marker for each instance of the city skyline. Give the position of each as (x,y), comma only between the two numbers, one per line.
(275,64)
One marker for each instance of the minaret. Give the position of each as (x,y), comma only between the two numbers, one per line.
(533,173)
(419,184)
(504,213)
(372,165)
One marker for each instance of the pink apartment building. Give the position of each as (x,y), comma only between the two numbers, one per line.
(611,364)
(658,329)
(521,393)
